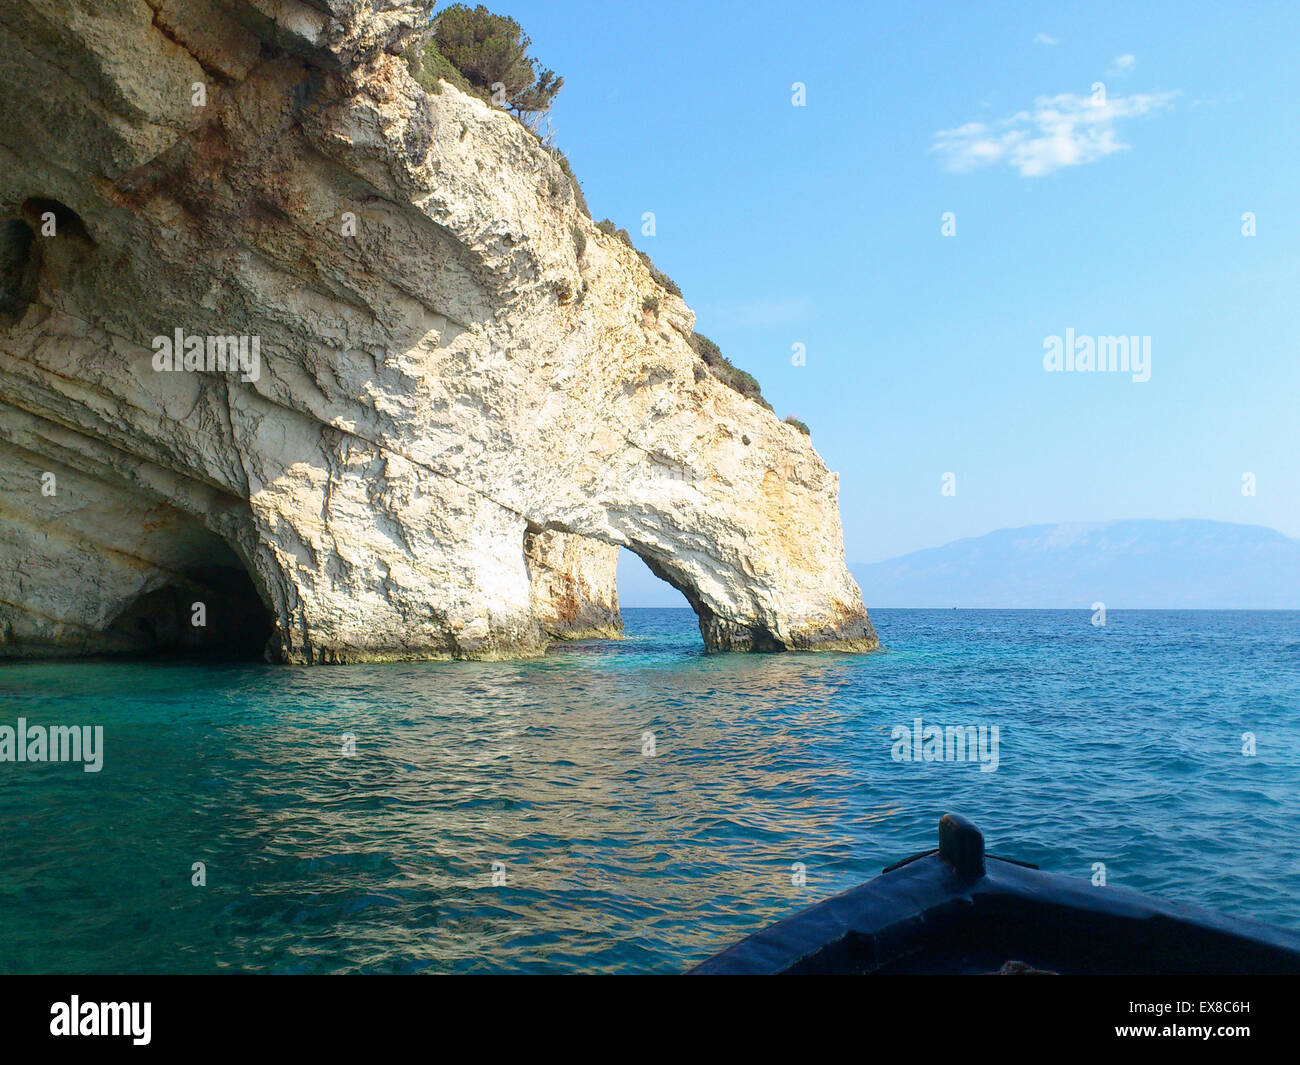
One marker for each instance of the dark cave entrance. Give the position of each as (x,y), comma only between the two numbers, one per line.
(209,612)
(18,270)
(65,222)
(22,252)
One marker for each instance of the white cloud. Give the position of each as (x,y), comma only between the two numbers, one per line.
(1122,64)
(1058,131)
(1046,38)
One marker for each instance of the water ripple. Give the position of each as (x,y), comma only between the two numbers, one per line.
(505,816)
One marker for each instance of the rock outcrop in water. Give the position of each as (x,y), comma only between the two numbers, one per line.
(457,398)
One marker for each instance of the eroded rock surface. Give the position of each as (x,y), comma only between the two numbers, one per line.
(575,586)
(461,406)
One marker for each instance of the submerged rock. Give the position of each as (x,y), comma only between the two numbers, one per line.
(460,404)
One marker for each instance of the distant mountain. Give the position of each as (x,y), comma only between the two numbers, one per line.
(1124,564)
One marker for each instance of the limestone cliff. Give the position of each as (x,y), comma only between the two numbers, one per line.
(454,404)
(575,593)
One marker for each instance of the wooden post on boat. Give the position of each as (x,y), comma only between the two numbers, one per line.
(961,845)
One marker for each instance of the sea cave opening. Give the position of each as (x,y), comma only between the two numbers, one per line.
(652,602)
(717,632)
(640,587)
(210,610)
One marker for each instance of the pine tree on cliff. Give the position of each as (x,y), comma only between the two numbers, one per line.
(491,53)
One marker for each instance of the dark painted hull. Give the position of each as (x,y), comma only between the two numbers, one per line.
(953,911)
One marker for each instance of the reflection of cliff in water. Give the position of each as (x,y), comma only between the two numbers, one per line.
(461,765)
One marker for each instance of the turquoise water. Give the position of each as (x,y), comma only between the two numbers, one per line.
(1120,744)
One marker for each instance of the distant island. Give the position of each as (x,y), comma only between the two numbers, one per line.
(1145,564)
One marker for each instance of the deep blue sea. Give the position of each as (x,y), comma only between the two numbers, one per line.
(510,816)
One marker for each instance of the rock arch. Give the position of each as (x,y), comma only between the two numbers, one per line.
(473,361)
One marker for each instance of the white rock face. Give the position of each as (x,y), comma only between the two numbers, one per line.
(461,405)
(575,586)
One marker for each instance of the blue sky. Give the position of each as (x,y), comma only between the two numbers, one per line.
(821,225)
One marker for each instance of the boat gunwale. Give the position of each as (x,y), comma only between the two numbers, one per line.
(925,888)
